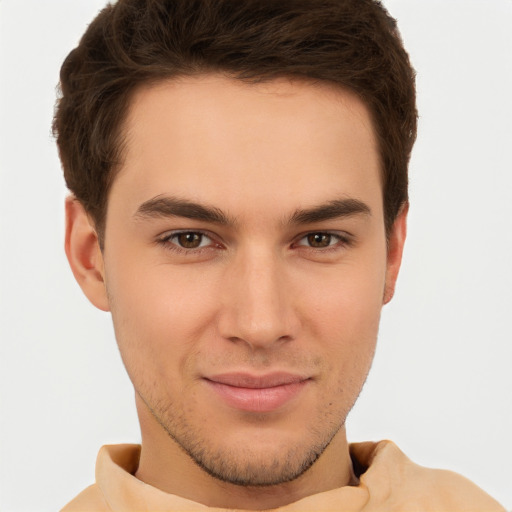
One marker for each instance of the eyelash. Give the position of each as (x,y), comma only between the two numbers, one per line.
(167,242)
(344,240)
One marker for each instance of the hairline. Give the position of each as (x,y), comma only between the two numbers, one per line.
(121,136)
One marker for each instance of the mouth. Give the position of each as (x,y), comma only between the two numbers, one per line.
(257,393)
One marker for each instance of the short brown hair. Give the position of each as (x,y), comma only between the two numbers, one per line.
(352,43)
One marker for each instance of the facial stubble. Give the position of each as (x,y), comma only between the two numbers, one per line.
(243,467)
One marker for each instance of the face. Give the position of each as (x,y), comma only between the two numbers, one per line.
(245,265)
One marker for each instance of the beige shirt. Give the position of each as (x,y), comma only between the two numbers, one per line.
(391,483)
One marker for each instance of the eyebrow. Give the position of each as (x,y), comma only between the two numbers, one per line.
(166,206)
(331,210)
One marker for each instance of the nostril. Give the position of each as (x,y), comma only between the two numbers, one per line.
(256,342)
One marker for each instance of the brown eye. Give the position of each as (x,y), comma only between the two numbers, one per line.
(189,240)
(319,240)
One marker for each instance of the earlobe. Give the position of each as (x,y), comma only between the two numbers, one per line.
(84,254)
(395,250)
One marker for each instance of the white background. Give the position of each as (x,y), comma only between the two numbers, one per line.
(441,385)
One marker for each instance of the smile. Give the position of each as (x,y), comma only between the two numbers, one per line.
(257,393)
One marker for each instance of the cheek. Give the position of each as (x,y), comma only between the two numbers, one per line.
(158,314)
(345,314)
(347,299)
(350,331)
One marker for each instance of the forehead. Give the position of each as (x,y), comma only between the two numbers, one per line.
(274,144)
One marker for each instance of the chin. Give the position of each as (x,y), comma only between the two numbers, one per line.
(258,467)
(253,458)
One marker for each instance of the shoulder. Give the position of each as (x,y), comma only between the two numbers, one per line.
(392,478)
(115,466)
(89,499)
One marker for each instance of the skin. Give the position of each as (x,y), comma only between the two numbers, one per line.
(267,289)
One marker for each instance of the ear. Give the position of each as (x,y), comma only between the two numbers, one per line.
(84,254)
(395,250)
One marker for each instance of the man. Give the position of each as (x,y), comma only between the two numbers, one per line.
(239,181)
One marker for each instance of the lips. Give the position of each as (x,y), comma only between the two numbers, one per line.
(257,393)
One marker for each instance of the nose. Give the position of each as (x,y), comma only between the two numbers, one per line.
(257,307)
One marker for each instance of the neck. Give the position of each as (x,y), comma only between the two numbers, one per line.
(164,465)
